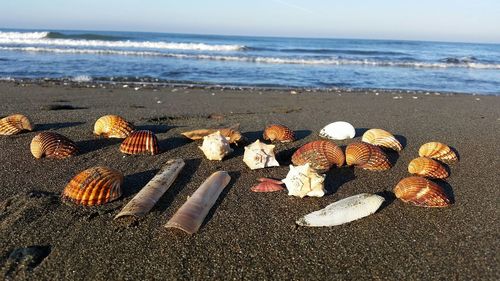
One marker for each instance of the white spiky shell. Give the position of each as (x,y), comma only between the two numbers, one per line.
(259,155)
(339,130)
(215,146)
(304,181)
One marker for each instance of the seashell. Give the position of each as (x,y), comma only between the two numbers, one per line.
(367,156)
(52,145)
(260,155)
(421,192)
(270,180)
(277,132)
(140,142)
(343,211)
(382,138)
(304,181)
(94,186)
(438,151)
(232,133)
(267,186)
(339,130)
(113,126)
(322,155)
(215,146)
(426,167)
(14,124)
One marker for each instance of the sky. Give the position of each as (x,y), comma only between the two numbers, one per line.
(435,20)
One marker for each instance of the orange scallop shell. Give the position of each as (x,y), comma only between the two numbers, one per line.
(421,192)
(277,132)
(321,155)
(113,126)
(94,186)
(14,124)
(427,167)
(52,145)
(438,151)
(382,138)
(367,156)
(140,142)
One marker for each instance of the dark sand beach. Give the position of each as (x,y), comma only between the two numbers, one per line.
(250,236)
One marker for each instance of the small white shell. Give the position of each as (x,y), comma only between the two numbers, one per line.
(215,146)
(339,130)
(303,181)
(260,155)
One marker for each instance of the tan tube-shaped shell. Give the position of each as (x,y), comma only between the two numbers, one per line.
(321,155)
(52,145)
(113,126)
(426,167)
(438,151)
(382,138)
(421,192)
(14,124)
(280,133)
(367,156)
(140,142)
(232,133)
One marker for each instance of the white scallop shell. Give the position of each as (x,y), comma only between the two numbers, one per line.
(339,130)
(260,155)
(304,181)
(215,146)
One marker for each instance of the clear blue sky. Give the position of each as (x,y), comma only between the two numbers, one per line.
(443,20)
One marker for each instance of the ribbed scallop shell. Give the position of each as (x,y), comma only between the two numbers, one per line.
(94,186)
(382,138)
(438,151)
(277,132)
(14,124)
(52,145)
(113,126)
(367,156)
(421,192)
(321,155)
(140,142)
(427,167)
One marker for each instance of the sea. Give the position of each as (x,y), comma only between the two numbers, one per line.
(249,61)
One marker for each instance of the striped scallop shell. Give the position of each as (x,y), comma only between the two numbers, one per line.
(113,126)
(382,138)
(94,186)
(321,155)
(140,142)
(438,151)
(52,145)
(14,124)
(421,192)
(367,156)
(277,132)
(427,167)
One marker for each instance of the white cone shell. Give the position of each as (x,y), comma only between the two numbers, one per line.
(303,181)
(215,146)
(260,155)
(339,130)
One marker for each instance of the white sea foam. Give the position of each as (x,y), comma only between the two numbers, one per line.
(22,35)
(81,78)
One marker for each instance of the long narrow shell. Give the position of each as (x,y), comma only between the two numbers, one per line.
(367,156)
(421,192)
(140,142)
(94,186)
(113,126)
(382,138)
(52,145)
(277,132)
(426,167)
(191,214)
(14,124)
(231,132)
(321,155)
(438,151)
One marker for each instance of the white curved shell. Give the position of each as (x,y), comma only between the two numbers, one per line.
(260,155)
(339,130)
(303,181)
(215,146)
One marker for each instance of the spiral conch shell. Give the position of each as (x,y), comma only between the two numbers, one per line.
(421,192)
(304,181)
(113,126)
(140,142)
(52,145)
(260,155)
(438,151)
(426,167)
(14,124)
(215,146)
(321,155)
(277,132)
(382,138)
(367,157)
(339,130)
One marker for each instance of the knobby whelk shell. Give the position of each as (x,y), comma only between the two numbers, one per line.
(367,156)
(259,155)
(382,138)
(438,151)
(113,126)
(421,192)
(339,130)
(215,146)
(322,155)
(427,167)
(140,142)
(94,186)
(304,181)
(277,132)
(231,132)
(52,145)
(14,124)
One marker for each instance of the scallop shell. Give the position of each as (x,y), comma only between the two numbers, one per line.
(140,142)
(426,167)
(52,145)
(421,192)
(367,156)
(438,151)
(215,146)
(277,132)
(259,155)
(304,181)
(267,186)
(113,126)
(322,155)
(94,186)
(14,124)
(339,130)
(382,138)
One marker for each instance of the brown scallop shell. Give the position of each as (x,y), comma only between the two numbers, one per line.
(367,156)
(421,192)
(113,126)
(438,151)
(321,155)
(14,124)
(52,145)
(277,132)
(140,142)
(382,138)
(94,186)
(426,167)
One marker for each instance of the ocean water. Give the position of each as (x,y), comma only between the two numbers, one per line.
(250,61)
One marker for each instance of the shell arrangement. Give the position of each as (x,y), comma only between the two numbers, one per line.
(15,124)
(52,145)
(113,126)
(140,142)
(279,133)
(321,155)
